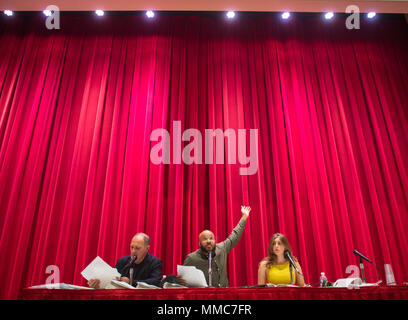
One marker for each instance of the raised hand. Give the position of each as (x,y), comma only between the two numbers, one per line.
(245,212)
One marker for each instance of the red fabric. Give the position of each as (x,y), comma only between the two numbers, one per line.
(374,293)
(78,105)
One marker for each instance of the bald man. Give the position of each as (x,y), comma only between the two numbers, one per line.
(199,258)
(139,266)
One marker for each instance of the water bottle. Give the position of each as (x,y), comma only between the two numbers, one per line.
(323,280)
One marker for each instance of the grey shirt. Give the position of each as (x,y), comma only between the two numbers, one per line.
(219,263)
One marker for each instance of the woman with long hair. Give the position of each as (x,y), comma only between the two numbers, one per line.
(276,268)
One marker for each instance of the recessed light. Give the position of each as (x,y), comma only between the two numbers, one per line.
(285,15)
(99,12)
(230,14)
(371,15)
(150,14)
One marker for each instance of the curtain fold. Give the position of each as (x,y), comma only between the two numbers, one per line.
(78,106)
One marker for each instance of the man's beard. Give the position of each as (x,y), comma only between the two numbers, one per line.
(204,248)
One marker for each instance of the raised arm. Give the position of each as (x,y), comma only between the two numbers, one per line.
(236,234)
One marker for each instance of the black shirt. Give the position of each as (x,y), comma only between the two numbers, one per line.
(149,270)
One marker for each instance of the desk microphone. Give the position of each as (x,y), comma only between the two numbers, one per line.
(361,256)
(289,257)
(362,265)
(129,265)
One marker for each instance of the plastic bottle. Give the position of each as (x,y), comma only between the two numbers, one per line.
(389,275)
(323,280)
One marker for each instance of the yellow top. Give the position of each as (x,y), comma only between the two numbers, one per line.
(279,274)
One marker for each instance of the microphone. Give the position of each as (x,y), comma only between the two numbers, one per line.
(361,256)
(132,260)
(362,265)
(129,265)
(289,257)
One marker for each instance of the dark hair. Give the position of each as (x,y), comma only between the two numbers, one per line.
(271,258)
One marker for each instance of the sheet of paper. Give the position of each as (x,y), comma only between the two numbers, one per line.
(347,282)
(144,285)
(193,276)
(121,284)
(99,269)
(58,286)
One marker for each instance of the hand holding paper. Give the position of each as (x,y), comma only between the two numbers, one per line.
(192,276)
(99,270)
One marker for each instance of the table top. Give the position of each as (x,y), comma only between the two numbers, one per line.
(240,293)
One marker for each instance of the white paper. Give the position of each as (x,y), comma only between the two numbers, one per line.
(144,285)
(353,283)
(115,284)
(282,285)
(169,285)
(99,269)
(348,282)
(58,286)
(371,284)
(193,276)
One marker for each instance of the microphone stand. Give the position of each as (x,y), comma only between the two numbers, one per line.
(131,264)
(210,269)
(290,271)
(362,267)
(362,270)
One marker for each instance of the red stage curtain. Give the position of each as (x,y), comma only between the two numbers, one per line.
(78,105)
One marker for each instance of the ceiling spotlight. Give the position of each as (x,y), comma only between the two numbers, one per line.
(99,12)
(329,15)
(371,15)
(285,15)
(8,13)
(230,14)
(150,14)
(47,12)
